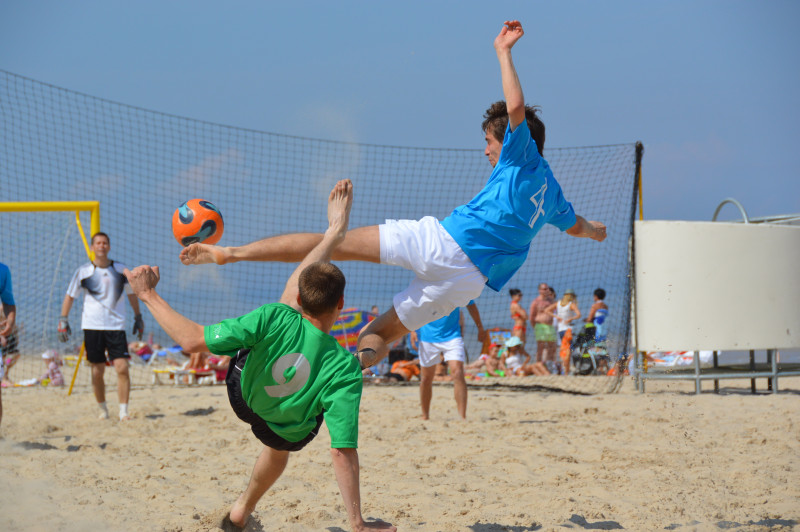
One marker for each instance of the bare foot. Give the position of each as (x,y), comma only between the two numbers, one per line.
(203,254)
(240,513)
(340,202)
(599,233)
(376,525)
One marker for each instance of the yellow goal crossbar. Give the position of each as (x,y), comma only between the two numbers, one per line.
(92,207)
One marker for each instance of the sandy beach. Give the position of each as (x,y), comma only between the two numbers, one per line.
(523,461)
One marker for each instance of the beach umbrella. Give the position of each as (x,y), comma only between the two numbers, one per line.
(349,324)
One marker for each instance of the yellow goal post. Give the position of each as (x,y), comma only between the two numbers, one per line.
(92,207)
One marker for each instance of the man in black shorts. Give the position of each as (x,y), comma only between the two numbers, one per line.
(103,320)
(288,373)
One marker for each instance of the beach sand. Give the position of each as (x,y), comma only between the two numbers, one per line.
(523,461)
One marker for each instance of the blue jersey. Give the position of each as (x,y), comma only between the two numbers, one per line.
(444,329)
(600,332)
(6,294)
(495,229)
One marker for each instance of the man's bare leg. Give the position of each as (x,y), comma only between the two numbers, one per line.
(426,389)
(269,467)
(99,388)
(459,386)
(123,384)
(374,340)
(361,244)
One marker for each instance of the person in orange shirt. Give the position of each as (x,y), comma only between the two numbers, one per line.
(404,370)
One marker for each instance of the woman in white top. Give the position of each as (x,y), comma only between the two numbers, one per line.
(565,311)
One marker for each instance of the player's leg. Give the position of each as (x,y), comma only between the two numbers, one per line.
(361,244)
(95,344)
(429,357)
(269,467)
(455,354)
(459,386)
(123,386)
(426,389)
(374,340)
(99,387)
(117,345)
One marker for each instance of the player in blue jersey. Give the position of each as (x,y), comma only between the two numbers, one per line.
(442,340)
(482,242)
(8,321)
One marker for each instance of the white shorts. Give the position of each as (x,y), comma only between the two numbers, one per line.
(431,353)
(445,277)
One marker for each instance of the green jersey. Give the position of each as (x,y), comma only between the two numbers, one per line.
(293,373)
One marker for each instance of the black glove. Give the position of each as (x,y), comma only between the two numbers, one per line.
(138,326)
(63,329)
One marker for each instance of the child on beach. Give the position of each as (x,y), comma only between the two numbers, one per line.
(53,376)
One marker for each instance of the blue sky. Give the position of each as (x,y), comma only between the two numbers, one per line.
(710,87)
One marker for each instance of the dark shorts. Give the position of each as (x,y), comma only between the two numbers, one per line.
(11,346)
(259,427)
(97,342)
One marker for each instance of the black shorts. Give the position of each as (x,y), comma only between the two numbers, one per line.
(11,346)
(259,427)
(97,342)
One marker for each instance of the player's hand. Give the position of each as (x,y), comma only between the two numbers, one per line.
(63,329)
(142,279)
(599,232)
(512,31)
(203,254)
(138,326)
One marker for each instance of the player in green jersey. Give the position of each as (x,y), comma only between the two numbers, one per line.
(287,372)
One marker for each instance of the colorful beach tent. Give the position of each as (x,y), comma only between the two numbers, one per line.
(349,324)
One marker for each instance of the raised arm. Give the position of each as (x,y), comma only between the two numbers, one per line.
(188,334)
(586,229)
(340,201)
(512,90)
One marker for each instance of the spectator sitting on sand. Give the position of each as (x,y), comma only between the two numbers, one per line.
(491,362)
(403,371)
(516,360)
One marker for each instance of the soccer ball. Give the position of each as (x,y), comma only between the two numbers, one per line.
(197,220)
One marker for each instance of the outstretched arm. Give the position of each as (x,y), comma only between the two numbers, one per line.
(512,90)
(188,334)
(339,203)
(587,229)
(345,465)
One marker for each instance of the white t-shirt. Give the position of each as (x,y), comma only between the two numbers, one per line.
(104,304)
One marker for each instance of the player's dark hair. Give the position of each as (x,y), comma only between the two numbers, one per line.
(600,293)
(495,121)
(321,286)
(100,233)
(514,291)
